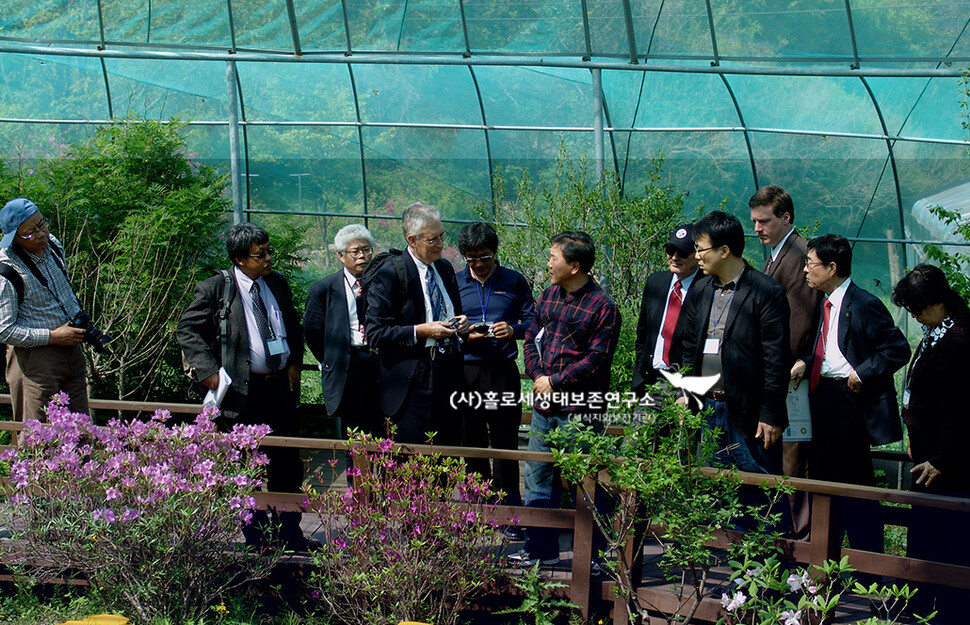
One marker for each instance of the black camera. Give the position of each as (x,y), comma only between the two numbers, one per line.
(92,335)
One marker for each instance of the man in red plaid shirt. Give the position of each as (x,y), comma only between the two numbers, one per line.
(568,353)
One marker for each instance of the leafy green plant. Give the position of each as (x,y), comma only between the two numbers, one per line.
(766,592)
(654,472)
(147,513)
(540,606)
(411,540)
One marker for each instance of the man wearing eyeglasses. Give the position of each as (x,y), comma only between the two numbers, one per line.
(500,306)
(662,321)
(415,322)
(36,305)
(258,343)
(335,334)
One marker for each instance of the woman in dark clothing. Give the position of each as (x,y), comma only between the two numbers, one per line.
(936,416)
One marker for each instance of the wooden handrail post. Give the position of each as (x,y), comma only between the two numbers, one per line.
(585,526)
(826,544)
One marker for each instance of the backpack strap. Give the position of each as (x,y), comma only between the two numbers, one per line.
(228,290)
(13,276)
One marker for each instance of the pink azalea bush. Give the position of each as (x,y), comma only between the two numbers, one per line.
(412,540)
(147,512)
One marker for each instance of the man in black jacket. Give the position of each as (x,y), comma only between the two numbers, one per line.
(263,347)
(738,328)
(416,325)
(335,334)
(662,321)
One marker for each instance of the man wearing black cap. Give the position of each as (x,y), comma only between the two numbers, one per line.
(37,304)
(660,327)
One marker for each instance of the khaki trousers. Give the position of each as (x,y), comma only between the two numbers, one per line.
(36,373)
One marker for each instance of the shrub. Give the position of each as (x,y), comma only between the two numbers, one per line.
(147,512)
(410,541)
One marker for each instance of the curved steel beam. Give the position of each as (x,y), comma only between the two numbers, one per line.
(744,130)
(360,140)
(488,143)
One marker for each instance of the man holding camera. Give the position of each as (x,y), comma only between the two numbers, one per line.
(37,305)
(414,320)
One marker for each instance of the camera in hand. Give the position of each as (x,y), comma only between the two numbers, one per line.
(92,335)
(484,327)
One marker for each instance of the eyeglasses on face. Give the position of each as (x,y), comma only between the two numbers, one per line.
(672,251)
(479,259)
(38,229)
(701,250)
(269,251)
(438,240)
(812,265)
(359,251)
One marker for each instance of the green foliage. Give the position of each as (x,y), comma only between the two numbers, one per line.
(653,471)
(139,220)
(409,541)
(539,602)
(629,232)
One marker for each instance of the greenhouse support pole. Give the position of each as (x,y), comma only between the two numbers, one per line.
(237,207)
(598,123)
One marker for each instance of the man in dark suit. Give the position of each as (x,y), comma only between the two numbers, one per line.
(857,350)
(738,328)
(773,215)
(660,327)
(414,320)
(263,349)
(335,335)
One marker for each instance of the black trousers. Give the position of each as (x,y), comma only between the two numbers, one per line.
(428,405)
(840,453)
(360,404)
(271,402)
(497,427)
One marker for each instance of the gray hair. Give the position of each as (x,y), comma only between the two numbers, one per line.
(418,215)
(353,232)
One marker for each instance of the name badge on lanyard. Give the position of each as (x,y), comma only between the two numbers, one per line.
(712,346)
(275,346)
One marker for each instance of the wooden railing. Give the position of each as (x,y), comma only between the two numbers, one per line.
(823,544)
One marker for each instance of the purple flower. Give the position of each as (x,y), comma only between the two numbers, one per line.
(130,515)
(112,493)
(105,514)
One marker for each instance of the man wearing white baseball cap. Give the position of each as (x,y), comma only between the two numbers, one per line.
(37,305)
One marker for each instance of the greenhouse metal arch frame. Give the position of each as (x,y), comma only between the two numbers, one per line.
(822,98)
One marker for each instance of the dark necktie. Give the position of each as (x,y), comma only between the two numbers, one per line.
(265,331)
(674,303)
(819,355)
(434,294)
(359,296)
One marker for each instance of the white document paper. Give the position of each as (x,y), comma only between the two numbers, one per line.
(214,398)
(696,384)
(799,415)
(538,341)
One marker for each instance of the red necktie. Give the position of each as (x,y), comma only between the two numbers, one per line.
(819,354)
(674,303)
(358,295)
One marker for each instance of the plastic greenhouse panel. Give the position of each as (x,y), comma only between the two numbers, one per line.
(417,94)
(781,29)
(56,88)
(188,90)
(305,169)
(443,167)
(539,26)
(536,96)
(673,100)
(925,29)
(296,92)
(58,20)
(321,25)
(678,28)
(167,22)
(820,104)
